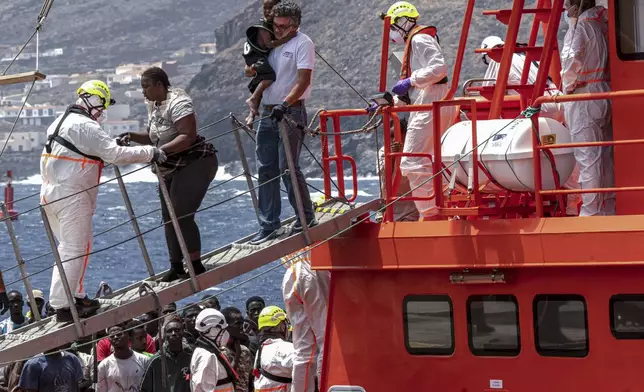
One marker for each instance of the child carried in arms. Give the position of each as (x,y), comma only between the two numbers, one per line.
(260,39)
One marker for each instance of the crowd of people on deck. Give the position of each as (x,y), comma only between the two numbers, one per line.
(199,348)
(203,347)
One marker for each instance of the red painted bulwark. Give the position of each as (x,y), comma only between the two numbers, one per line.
(367,348)
(626,75)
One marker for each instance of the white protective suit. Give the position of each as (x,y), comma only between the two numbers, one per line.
(306,296)
(206,371)
(549,110)
(584,60)
(64,173)
(277,359)
(428,67)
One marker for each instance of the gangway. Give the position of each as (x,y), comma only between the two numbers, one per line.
(222,265)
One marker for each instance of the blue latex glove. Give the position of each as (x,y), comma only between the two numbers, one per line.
(278,111)
(402,87)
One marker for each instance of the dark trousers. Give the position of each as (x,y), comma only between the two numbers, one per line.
(187,188)
(271,162)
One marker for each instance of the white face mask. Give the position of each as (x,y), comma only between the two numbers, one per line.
(572,22)
(396,36)
(223,338)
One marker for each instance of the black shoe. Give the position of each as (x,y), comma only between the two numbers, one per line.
(198,267)
(64,315)
(297,227)
(173,275)
(84,306)
(87,307)
(263,236)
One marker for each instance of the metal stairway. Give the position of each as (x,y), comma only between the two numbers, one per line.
(223,264)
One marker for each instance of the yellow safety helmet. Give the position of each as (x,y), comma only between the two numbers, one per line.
(99,89)
(402,9)
(271,316)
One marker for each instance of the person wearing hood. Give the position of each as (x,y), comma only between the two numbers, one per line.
(552,110)
(273,367)
(306,296)
(209,369)
(423,80)
(70,166)
(584,62)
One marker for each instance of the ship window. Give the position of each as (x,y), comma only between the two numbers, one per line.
(561,325)
(429,324)
(627,316)
(493,325)
(629,24)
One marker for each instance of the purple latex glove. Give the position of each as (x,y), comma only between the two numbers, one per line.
(372,107)
(402,87)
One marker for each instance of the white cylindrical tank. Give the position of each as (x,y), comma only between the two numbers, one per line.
(506,153)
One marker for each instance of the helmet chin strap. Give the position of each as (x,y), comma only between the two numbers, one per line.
(94,110)
(406,27)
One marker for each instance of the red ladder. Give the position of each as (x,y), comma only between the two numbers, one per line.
(547,15)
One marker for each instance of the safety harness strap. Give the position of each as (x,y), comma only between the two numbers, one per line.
(55,137)
(224,381)
(272,377)
(405,70)
(258,365)
(232,376)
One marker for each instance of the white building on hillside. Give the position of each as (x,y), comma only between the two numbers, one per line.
(23,140)
(41,115)
(117,127)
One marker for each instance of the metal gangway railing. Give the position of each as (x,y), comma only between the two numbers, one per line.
(335,215)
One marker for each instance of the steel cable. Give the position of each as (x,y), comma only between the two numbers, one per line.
(128,173)
(108,165)
(118,225)
(338,234)
(143,233)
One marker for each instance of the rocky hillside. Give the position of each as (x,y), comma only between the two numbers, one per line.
(347,34)
(102,34)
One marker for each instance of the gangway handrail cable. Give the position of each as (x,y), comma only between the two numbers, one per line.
(333,236)
(15,122)
(44,11)
(224,182)
(143,233)
(124,175)
(109,164)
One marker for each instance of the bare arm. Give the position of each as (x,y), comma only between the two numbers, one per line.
(249,72)
(272,44)
(2,287)
(187,129)
(303,82)
(141,137)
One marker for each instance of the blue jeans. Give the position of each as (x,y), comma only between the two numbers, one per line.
(271,162)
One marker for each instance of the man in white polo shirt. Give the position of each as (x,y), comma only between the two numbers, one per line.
(293,63)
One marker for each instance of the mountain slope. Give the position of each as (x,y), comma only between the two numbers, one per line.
(102,34)
(348,35)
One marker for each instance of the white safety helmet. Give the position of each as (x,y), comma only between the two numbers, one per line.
(489,43)
(212,324)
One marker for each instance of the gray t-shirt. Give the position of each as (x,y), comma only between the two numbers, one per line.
(162,118)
